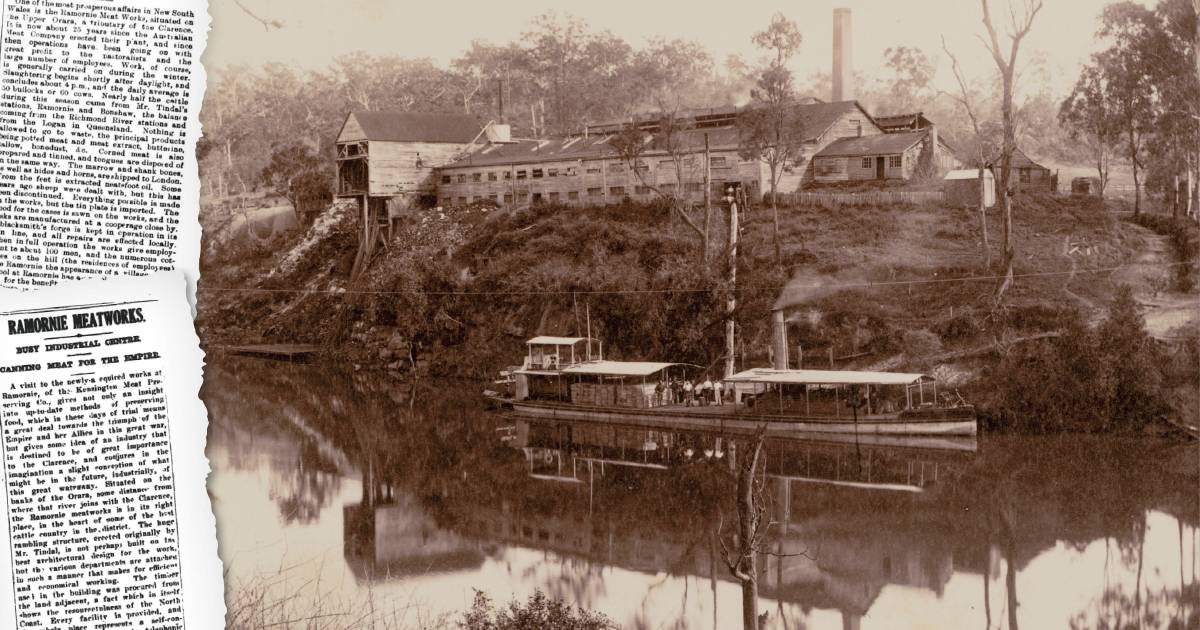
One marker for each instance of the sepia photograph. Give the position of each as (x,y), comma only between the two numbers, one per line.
(833,314)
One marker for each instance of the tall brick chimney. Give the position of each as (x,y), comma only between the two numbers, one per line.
(843,60)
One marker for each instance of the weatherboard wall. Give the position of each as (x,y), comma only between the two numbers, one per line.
(395,168)
(590,181)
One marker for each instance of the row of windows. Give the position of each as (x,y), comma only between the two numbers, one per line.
(894,161)
(569,171)
(593,193)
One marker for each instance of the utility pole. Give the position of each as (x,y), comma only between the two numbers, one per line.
(707,196)
(731,305)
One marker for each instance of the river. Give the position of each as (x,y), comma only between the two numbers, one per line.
(354,500)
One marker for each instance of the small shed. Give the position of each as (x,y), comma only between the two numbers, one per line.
(1029,175)
(1086,186)
(962,187)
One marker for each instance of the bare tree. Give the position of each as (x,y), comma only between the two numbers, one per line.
(1006,63)
(674,137)
(753,529)
(267,22)
(983,156)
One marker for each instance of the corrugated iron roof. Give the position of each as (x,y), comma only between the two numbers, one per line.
(824,377)
(907,119)
(617,368)
(548,340)
(880,144)
(396,126)
(968,173)
(1020,160)
(818,117)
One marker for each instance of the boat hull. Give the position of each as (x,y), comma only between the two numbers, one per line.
(958,421)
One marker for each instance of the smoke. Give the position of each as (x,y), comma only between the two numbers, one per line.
(807,286)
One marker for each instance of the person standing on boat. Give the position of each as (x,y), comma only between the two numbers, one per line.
(719,392)
(659,391)
(687,393)
(706,389)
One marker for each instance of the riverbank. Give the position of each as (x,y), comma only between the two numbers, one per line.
(343,502)
(457,291)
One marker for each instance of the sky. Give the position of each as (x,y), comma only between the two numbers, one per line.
(316,31)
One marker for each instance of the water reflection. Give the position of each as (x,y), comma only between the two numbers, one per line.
(410,499)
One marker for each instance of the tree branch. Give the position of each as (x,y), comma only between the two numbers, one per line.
(268,23)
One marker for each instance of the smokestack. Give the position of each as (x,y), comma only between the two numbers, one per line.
(779,344)
(843,60)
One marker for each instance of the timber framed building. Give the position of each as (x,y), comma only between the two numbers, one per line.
(394,160)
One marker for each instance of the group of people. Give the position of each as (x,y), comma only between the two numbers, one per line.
(685,392)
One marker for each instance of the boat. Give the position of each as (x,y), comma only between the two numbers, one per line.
(568,379)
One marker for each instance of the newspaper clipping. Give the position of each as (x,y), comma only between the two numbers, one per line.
(109,524)
(98,124)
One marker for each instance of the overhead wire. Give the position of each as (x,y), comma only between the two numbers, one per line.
(773,288)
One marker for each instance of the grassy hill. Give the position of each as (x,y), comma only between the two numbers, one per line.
(881,287)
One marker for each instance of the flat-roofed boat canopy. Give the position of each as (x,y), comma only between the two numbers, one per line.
(826,377)
(617,368)
(546,340)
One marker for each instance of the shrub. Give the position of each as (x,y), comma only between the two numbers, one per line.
(1110,379)
(538,611)
(960,327)
(921,343)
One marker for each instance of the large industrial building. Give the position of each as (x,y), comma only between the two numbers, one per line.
(392,160)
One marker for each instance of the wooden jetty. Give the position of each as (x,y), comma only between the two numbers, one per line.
(293,352)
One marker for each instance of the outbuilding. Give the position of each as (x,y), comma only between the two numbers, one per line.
(1029,175)
(883,156)
(962,187)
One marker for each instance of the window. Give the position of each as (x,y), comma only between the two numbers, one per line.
(895,161)
(616,190)
(537,173)
(493,198)
(462,201)
(829,166)
(666,163)
(523,197)
(717,162)
(616,167)
(642,166)
(444,201)
(1023,174)
(507,174)
(573,195)
(507,197)
(694,187)
(462,178)
(856,125)
(595,192)
(491,176)
(553,196)
(668,188)
(520,174)
(866,163)
(551,172)
(476,177)
(474,198)
(537,197)
(642,190)
(445,179)
(571,171)
(593,170)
